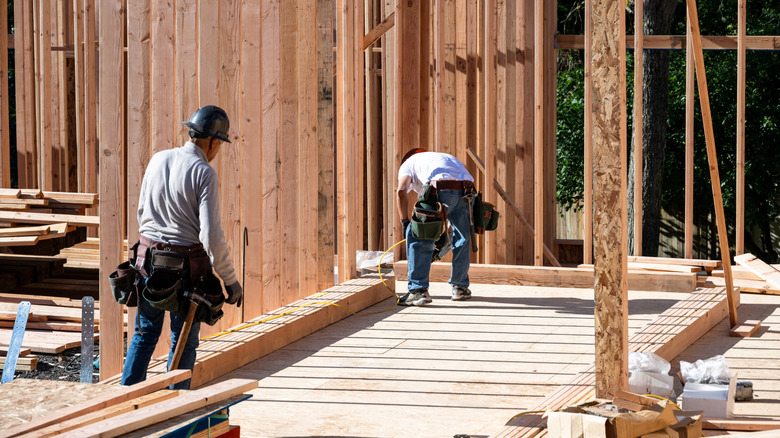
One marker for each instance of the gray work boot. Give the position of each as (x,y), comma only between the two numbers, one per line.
(417,297)
(460,293)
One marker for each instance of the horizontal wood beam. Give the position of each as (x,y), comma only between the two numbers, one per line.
(43,218)
(677,42)
(377,32)
(547,276)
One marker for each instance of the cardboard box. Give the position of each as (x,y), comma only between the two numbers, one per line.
(716,401)
(593,420)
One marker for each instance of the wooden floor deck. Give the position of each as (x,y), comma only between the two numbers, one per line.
(468,367)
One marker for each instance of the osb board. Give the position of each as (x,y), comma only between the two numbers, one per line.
(22,400)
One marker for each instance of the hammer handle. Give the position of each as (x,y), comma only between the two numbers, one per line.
(182,339)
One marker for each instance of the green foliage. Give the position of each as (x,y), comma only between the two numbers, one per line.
(762,117)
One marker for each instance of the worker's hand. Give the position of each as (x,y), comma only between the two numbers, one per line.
(405,225)
(235,294)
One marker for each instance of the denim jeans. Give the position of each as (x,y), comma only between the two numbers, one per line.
(144,341)
(419,252)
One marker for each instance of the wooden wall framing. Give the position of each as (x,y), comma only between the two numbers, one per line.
(317,133)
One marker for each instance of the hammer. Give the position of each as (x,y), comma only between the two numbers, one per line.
(195,300)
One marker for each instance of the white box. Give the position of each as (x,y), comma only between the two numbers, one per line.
(717,401)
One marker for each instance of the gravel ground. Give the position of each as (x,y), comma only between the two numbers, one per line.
(65,366)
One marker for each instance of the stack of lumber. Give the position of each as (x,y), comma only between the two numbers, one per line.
(25,360)
(85,255)
(45,408)
(52,326)
(750,275)
(19,270)
(56,213)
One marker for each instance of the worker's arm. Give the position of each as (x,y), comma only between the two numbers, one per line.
(402,198)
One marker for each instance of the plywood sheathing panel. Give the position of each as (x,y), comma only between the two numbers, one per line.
(609,196)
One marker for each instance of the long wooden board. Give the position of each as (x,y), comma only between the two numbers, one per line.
(110,399)
(757,266)
(42,218)
(161,411)
(557,277)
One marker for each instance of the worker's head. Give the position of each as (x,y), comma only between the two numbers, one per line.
(209,127)
(412,152)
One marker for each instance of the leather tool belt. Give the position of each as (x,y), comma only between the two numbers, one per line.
(448,184)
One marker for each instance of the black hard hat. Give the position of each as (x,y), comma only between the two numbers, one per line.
(210,120)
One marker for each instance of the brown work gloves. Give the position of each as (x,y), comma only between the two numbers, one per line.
(235,294)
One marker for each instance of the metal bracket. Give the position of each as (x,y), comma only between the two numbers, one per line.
(87,338)
(15,345)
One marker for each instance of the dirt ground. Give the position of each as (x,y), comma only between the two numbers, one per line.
(65,366)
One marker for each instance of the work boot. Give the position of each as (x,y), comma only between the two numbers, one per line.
(460,293)
(417,297)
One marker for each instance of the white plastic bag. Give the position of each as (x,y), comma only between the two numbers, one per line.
(370,259)
(649,374)
(648,362)
(712,371)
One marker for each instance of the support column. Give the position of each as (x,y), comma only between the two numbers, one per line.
(609,197)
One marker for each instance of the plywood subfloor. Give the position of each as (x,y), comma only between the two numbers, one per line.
(445,369)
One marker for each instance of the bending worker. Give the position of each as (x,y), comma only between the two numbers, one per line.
(445,177)
(179,221)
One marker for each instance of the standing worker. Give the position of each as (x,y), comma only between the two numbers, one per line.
(181,238)
(443,184)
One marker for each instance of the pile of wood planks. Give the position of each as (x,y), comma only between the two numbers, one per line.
(34,408)
(55,292)
(751,275)
(85,255)
(25,360)
(54,213)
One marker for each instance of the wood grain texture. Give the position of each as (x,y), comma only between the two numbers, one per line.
(609,197)
(112,147)
(712,158)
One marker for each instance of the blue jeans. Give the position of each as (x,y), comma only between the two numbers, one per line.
(148,327)
(419,252)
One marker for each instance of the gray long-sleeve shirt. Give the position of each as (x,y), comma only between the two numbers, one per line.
(179,204)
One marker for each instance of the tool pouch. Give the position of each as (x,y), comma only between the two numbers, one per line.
(165,286)
(210,288)
(428,217)
(125,283)
(485,216)
(164,290)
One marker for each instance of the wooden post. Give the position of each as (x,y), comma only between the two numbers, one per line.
(741,62)
(490,126)
(270,70)
(90,101)
(373,132)
(78,68)
(587,214)
(407,80)
(524,130)
(250,127)
(709,135)
(111,142)
(539,137)
(346,141)
(307,146)
(24,135)
(46,166)
(609,197)
(326,145)
(639,30)
(5,138)
(689,140)
(163,79)
(230,154)
(186,51)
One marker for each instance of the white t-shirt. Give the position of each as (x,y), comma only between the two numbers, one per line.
(425,167)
